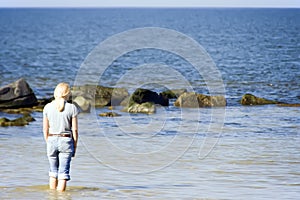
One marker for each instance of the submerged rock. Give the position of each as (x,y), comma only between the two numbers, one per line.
(250,99)
(194,100)
(109,114)
(21,121)
(17,110)
(289,105)
(17,94)
(147,108)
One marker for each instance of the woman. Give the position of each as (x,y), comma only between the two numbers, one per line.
(60,129)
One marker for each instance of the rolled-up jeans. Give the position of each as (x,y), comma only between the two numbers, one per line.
(59,152)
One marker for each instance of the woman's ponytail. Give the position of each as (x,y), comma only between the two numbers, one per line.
(61,94)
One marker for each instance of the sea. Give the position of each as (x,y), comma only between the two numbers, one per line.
(232,152)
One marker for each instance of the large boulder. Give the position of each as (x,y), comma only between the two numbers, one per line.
(17,95)
(194,100)
(143,95)
(250,99)
(100,96)
(82,103)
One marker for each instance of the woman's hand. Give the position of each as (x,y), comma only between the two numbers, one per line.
(45,128)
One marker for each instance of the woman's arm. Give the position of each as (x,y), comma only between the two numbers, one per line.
(75,132)
(45,128)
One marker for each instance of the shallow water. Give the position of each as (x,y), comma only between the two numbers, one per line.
(240,152)
(257,156)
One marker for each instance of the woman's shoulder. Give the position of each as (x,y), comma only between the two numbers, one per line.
(70,105)
(48,105)
(72,108)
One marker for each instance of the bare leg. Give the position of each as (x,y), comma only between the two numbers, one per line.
(52,183)
(62,184)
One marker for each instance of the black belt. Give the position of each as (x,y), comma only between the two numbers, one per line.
(60,135)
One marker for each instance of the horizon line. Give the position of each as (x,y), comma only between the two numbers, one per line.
(150,7)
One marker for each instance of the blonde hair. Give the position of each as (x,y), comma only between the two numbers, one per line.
(61,94)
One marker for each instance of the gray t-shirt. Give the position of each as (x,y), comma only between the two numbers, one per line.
(60,122)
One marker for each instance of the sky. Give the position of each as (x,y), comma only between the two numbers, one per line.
(151,3)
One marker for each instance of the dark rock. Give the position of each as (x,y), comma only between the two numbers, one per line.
(17,95)
(38,108)
(141,96)
(173,94)
(109,114)
(194,100)
(100,96)
(249,99)
(147,108)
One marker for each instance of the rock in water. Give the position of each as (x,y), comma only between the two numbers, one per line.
(82,103)
(289,105)
(187,100)
(109,114)
(143,95)
(173,94)
(147,108)
(194,100)
(17,95)
(21,121)
(100,96)
(250,99)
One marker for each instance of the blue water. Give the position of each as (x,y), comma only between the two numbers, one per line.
(256,50)
(257,154)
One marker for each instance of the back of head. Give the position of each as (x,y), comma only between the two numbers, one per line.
(61,94)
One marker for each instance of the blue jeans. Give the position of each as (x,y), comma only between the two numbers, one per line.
(60,151)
